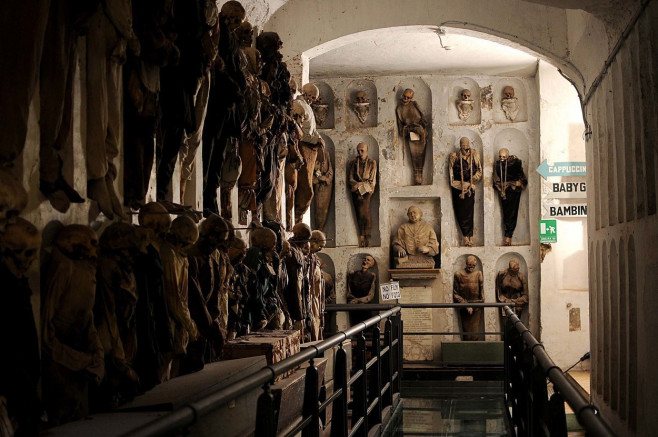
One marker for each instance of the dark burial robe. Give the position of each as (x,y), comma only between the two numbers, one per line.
(262,303)
(154,335)
(205,280)
(506,174)
(19,369)
(359,283)
(464,208)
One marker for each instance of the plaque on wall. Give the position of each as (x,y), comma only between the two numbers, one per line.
(417,347)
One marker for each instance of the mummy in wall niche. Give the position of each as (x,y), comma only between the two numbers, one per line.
(413,129)
(361,106)
(464,105)
(510,103)
(509,180)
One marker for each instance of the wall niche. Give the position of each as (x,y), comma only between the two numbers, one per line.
(361,105)
(423,98)
(351,224)
(323,206)
(464,102)
(478,209)
(506,110)
(516,142)
(397,215)
(324,109)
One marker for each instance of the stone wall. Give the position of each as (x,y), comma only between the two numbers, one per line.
(623,231)
(436,96)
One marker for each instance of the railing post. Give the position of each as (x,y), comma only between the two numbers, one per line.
(339,410)
(360,400)
(557,419)
(311,399)
(387,361)
(265,423)
(539,407)
(400,351)
(375,383)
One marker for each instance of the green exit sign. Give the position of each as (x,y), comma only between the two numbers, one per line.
(548,231)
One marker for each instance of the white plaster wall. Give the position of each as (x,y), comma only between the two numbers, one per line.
(564,271)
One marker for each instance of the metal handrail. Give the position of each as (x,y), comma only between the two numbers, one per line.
(190,413)
(586,413)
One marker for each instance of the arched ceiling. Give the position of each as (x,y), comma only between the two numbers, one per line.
(260,11)
(421,50)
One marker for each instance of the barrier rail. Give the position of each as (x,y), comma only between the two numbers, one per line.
(527,365)
(376,383)
(376,378)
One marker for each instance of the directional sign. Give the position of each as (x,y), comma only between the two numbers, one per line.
(390,290)
(565,211)
(548,231)
(562,169)
(566,190)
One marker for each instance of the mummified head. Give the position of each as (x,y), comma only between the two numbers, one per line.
(232,14)
(78,242)
(310,92)
(183,232)
(19,246)
(155,216)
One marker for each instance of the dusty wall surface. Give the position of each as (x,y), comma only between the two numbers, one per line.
(436,96)
(623,232)
(564,286)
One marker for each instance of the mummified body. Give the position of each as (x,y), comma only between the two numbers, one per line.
(413,128)
(362,178)
(115,315)
(71,350)
(467,287)
(509,180)
(465,171)
(19,376)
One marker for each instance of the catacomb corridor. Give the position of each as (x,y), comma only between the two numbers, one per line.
(282,217)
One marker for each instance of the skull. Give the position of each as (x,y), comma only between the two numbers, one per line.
(19,246)
(183,232)
(318,241)
(503,154)
(301,231)
(361,97)
(245,33)
(269,44)
(214,230)
(466,94)
(264,239)
(232,14)
(407,96)
(78,242)
(508,92)
(471,263)
(118,236)
(310,92)
(298,113)
(13,197)
(156,217)
(237,250)
(368,262)
(465,145)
